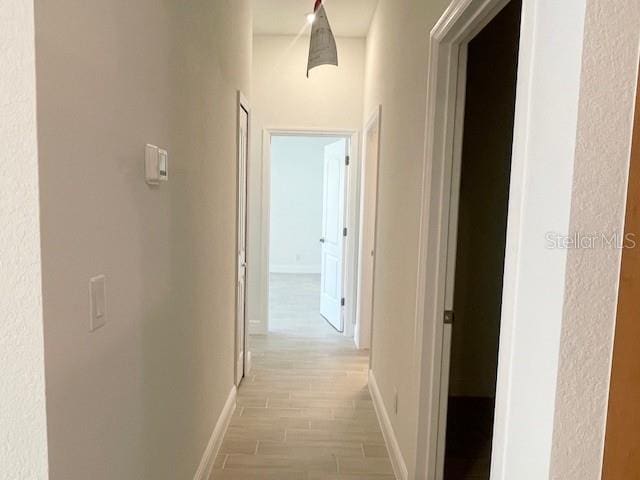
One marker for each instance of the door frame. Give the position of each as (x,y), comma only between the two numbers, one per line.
(460,23)
(540,199)
(242,104)
(363,341)
(352,215)
(451,251)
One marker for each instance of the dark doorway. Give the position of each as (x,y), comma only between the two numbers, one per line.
(481,239)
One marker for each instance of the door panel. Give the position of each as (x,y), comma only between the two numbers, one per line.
(332,234)
(243,139)
(452,241)
(368,210)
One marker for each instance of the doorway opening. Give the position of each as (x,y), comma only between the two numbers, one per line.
(477,242)
(310,223)
(308,218)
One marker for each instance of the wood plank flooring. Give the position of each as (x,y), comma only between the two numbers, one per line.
(304,412)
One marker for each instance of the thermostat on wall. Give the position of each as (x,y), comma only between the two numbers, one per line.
(156,165)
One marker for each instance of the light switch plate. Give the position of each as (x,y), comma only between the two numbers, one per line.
(97,302)
(151,164)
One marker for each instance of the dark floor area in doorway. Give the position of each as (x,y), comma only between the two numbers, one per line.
(469,433)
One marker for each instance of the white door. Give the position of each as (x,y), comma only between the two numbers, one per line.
(333,235)
(451,255)
(243,139)
(368,211)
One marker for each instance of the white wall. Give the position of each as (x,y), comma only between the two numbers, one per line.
(297,176)
(139,398)
(283,97)
(396,73)
(23,430)
(605,118)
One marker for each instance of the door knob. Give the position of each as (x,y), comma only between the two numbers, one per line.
(322,240)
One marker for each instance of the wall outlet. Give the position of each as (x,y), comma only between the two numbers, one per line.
(395,401)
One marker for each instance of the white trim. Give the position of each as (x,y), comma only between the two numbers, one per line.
(540,200)
(457,26)
(215,442)
(454,178)
(393,447)
(242,104)
(295,269)
(362,337)
(260,326)
(352,216)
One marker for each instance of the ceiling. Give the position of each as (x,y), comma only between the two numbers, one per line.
(348,18)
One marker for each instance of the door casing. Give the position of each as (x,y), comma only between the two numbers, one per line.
(352,212)
(448,62)
(368,231)
(441,183)
(242,356)
(544,154)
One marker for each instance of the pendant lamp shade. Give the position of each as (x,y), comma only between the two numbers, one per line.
(322,48)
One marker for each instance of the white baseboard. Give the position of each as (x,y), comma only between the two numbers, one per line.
(215,442)
(296,269)
(397,460)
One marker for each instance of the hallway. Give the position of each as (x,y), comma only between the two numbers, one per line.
(304,412)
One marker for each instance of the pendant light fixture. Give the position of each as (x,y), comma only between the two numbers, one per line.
(322,48)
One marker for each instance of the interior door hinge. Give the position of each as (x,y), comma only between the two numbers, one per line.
(345,231)
(449,317)
(342,302)
(347,160)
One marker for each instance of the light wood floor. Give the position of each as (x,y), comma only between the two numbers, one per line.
(304,412)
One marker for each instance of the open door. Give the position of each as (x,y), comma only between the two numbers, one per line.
(477,232)
(333,234)
(243,147)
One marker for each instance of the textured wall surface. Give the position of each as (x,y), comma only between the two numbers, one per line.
(139,398)
(609,75)
(23,433)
